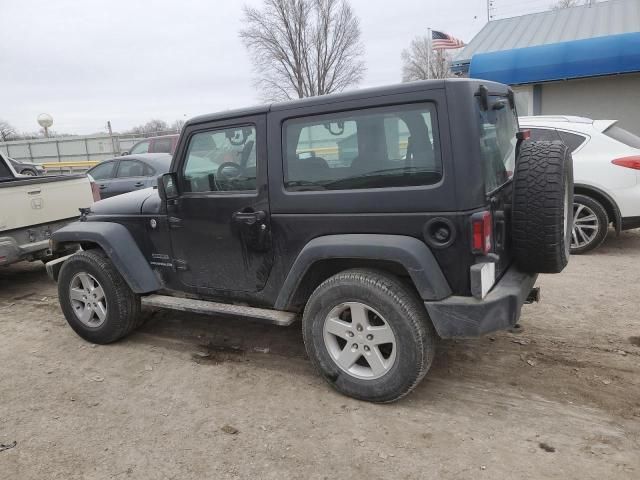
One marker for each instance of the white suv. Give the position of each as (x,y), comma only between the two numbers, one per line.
(606,165)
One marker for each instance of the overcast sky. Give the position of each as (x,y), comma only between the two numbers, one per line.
(86,62)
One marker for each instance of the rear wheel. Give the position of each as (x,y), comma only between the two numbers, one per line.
(96,301)
(590,224)
(368,335)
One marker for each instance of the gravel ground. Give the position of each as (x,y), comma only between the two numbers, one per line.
(191,397)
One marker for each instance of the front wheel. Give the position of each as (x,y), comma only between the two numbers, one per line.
(368,335)
(96,301)
(590,224)
(29,173)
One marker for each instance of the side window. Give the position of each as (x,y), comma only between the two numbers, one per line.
(221,160)
(571,140)
(142,147)
(131,168)
(162,145)
(374,148)
(544,134)
(5,172)
(103,171)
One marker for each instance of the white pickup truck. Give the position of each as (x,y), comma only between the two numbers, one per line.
(31,208)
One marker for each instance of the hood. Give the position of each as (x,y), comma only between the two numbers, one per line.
(126,204)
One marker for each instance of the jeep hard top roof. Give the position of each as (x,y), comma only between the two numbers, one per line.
(347,96)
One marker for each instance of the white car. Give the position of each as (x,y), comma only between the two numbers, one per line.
(606,166)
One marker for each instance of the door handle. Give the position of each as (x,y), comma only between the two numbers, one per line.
(138,184)
(249,218)
(102,187)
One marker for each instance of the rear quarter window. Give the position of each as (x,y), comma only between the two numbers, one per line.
(571,140)
(369,148)
(544,134)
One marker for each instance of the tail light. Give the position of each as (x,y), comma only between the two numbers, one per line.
(95,190)
(481,232)
(629,162)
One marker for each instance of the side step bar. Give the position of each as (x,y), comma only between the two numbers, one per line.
(277,317)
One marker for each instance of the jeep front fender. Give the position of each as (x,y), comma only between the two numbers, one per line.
(409,252)
(120,247)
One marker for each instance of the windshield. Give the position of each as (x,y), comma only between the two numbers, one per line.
(623,136)
(498,127)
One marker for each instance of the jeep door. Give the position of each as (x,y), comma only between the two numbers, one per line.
(219,224)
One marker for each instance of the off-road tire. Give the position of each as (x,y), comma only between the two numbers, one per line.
(603,223)
(123,305)
(404,313)
(542,198)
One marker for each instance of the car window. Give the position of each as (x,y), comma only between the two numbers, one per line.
(102,171)
(221,160)
(374,148)
(4,170)
(571,140)
(498,127)
(142,147)
(544,134)
(133,168)
(623,136)
(162,145)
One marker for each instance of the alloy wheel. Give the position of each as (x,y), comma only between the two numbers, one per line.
(585,226)
(359,340)
(88,300)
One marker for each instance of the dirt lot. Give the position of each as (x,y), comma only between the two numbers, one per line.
(561,399)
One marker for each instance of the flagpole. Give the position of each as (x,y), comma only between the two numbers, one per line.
(429,53)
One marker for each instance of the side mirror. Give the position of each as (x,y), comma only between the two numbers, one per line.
(168,186)
(126,152)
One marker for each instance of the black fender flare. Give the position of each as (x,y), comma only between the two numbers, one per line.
(409,252)
(120,247)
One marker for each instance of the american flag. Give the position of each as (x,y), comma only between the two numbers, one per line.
(442,41)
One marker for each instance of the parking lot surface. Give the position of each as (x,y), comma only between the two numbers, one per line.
(191,397)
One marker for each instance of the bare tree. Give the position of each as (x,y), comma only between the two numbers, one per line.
(177,125)
(152,126)
(415,61)
(562,4)
(303,48)
(7,132)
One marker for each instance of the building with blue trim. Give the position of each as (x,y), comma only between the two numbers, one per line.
(577,61)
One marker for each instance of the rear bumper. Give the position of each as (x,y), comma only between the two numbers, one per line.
(470,317)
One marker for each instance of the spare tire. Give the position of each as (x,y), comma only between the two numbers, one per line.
(542,215)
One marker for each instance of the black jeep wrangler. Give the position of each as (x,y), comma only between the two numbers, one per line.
(384,218)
